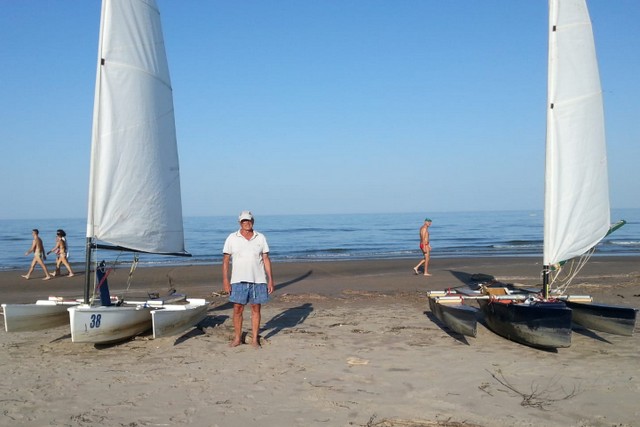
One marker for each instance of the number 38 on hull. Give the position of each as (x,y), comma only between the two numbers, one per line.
(108,324)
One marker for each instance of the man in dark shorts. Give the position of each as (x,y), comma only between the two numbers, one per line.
(251,281)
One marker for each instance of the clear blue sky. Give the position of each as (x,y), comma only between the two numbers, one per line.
(331,106)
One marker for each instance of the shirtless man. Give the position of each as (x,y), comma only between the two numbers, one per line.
(38,255)
(425,246)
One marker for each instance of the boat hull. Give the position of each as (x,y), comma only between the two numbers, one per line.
(604,318)
(108,324)
(455,315)
(173,319)
(539,324)
(44,314)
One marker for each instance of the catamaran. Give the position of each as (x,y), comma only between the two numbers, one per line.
(134,185)
(576,213)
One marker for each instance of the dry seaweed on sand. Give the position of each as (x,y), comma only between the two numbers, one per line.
(538,398)
(398,422)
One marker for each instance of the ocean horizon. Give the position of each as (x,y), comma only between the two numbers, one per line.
(331,237)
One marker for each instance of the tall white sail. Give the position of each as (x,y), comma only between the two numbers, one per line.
(576,182)
(134,190)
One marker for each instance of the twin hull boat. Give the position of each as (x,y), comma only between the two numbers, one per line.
(109,324)
(523,318)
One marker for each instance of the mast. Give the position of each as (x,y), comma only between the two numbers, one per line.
(548,188)
(92,160)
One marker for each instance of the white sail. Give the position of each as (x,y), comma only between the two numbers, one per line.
(576,184)
(134,189)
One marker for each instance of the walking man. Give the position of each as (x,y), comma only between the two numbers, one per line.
(38,255)
(425,247)
(251,281)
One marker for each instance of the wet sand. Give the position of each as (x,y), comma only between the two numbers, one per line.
(344,344)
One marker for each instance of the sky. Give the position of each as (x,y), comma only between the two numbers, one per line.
(319,106)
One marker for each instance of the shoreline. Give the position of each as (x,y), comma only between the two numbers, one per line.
(324,277)
(344,344)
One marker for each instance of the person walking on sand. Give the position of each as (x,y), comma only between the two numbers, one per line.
(62,252)
(251,281)
(37,248)
(425,247)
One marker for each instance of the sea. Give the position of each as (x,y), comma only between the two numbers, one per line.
(332,237)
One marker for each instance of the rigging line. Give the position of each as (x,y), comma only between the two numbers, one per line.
(575,267)
(104,278)
(95,275)
(134,265)
(96,287)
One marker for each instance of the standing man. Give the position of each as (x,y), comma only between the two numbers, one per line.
(38,255)
(251,280)
(425,247)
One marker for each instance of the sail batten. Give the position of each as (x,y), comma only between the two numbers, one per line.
(576,183)
(134,194)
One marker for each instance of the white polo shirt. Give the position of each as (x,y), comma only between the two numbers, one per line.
(246,256)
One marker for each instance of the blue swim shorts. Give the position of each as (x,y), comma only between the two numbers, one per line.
(251,293)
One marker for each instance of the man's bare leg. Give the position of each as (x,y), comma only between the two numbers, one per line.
(415,269)
(44,267)
(255,325)
(427,257)
(31,268)
(237,325)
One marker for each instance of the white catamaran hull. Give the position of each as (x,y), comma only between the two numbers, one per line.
(172,319)
(108,324)
(44,314)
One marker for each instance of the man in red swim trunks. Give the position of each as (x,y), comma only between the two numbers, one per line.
(425,246)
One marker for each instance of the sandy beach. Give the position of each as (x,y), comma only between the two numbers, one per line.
(344,344)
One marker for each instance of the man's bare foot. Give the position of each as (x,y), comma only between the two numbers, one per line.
(71,275)
(25,276)
(47,278)
(235,343)
(427,274)
(256,343)
(416,270)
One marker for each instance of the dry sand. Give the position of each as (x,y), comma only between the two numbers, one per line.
(344,344)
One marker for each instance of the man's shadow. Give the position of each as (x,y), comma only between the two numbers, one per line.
(288,319)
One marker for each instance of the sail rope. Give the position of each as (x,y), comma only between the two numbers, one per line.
(112,267)
(562,277)
(576,265)
(134,265)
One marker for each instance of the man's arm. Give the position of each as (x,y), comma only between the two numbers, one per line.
(226,285)
(33,247)
(267,269)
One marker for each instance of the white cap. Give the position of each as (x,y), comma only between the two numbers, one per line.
(244,215)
